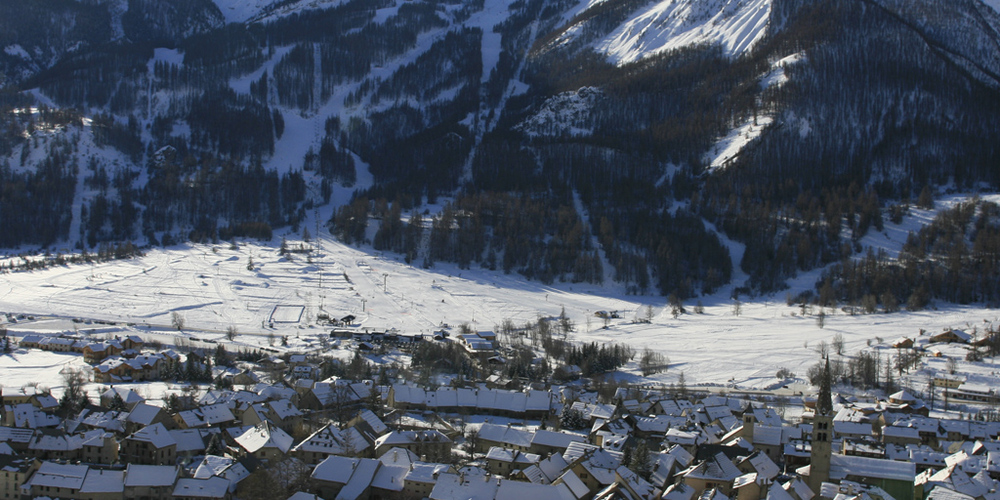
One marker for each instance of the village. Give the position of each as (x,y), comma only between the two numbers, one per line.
(464,424)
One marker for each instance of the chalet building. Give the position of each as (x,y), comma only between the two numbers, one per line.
(903,343)
(265,442)
(14,396)
(99,448)
(205,416)
(56,480)
(150,482)
(477,347)
(431,444)
(144,415)
(329,440)
(718,472)
(951,336)
(96,352)
(138,368)
(15,471)
(212,488)
(502,462)
(152,445)
(528,404)
(975,392)
(103,484)
(128,396)
(344,477)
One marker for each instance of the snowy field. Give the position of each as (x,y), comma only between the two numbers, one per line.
(212,289)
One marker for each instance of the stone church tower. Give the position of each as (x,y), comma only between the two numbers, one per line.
(822,435)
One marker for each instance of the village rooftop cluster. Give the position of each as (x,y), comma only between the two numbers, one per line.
(274,427)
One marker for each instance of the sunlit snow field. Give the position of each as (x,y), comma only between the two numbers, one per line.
(211,288)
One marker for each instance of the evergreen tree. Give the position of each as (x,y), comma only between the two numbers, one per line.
(117,403)
(640,462)
(221,357)
(173,404)
(572,419)
(681,388)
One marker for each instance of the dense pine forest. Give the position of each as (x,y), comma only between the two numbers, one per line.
(161,123)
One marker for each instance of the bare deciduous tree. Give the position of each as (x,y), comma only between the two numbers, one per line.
(838,344)
(176,320)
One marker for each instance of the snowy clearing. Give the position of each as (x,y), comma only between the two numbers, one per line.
(213,289)
(730,146)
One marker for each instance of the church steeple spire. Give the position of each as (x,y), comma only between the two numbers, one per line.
(824,402)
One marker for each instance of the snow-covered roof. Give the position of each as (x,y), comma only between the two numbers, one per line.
(103,481)
(901,432)
(264,435)
(520,490)
(333,441)
(554,439)
(27,415)
(395,438)
(143,413)
(128,395)
(843,465)
(553,466)
(940,492)
(335,469)
(717,468)
(398,457)
(778,494)
(109,420)
(799,488)
(212,487)
(207,415)
(361,478)
(373,421)
(156,435)
(504,434)
(851,428)
(683,457)
(767,435)
(189,440)
(53,475)
(284,408)
(767,416)
(679,491)
(150,475)
(389,477)
(455,487)
(636,484)
(421,472)
(212,465)
(765,467)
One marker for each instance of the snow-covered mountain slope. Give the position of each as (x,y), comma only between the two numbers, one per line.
(735,25)
(566,115)
(272,109)
(242,11)
(965,32)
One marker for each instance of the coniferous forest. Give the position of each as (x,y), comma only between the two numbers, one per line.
(555,163)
